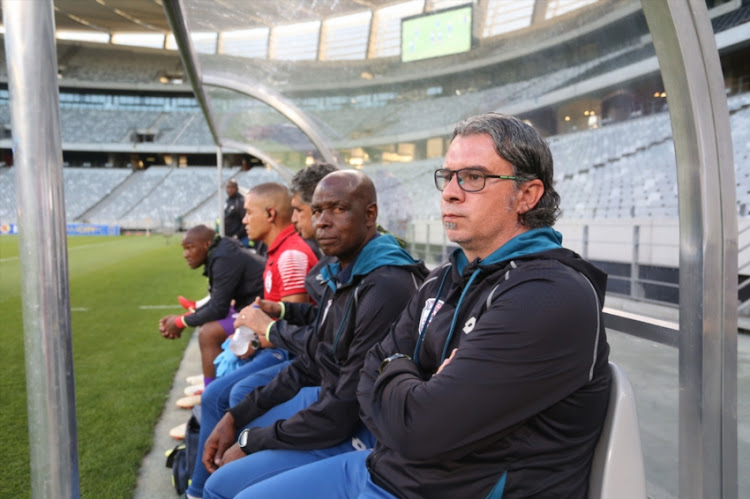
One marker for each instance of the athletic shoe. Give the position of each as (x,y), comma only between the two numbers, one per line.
(195,380)
(194,389)
(189,401)
(178,432)
(188,305)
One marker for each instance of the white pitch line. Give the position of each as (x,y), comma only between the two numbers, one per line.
(79,309)
(157,307)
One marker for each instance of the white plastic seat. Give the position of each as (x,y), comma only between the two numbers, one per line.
(617,468)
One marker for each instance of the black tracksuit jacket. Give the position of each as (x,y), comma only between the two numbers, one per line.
(233,274)
(347,323)
(518,411)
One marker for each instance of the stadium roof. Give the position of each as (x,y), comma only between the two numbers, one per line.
(112,16)
(352,44)
(247,60)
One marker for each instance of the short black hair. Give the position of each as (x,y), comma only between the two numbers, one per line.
(201,232)
(305,180)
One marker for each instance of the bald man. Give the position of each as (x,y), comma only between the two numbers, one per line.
(268,218)
(309,411)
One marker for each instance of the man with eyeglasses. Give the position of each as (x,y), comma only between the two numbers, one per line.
(494,381)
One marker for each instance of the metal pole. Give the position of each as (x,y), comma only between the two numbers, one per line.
(585,249)
(220,183)
(34,104)
(636,288)
(175,9)
(280,103)
(689,59)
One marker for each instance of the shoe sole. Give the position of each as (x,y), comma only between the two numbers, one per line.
(178,432)
(189,402)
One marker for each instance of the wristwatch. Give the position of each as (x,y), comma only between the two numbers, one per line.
(242,440)
(391,358)
(255,342)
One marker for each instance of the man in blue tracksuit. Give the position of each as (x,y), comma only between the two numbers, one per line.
(493,383)
(309,411)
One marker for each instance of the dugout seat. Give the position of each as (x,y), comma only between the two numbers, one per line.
(617,468)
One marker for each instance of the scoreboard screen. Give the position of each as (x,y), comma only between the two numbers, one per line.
(436,34)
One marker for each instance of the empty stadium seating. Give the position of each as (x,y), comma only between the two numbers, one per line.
(621,171)
(358,115)
(206,211)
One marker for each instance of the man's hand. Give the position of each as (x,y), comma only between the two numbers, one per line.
(220,439)
(447,361)
(272,308)
(168,328)
(232,454)
(254,318)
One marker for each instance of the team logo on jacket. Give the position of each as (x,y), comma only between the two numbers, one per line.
(469,326)
(268,282)
(426,317)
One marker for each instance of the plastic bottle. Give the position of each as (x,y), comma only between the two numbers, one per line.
(242,338)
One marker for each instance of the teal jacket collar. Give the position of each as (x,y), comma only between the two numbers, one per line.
(532,241)
(381,251)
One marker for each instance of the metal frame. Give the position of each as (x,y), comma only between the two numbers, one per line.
(275,100)
(174,10)
(35,116)
(689,60)
(239,146)
(687,52)
(220,184)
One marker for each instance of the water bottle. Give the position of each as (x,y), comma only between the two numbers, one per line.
(243,337)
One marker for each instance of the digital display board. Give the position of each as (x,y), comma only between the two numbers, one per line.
(436,34)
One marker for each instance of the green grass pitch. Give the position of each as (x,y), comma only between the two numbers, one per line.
(123,367)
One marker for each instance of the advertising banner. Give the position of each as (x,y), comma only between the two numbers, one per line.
(72,229)
(93,230)
(7,229)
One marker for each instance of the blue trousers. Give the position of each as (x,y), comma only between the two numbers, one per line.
(339,477)
(215,401)
(245,385)
(233,478)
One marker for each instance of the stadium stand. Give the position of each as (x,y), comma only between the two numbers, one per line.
(622,170)
(8,213)
(131,192)
(205,211)
(84,187)
(103,126)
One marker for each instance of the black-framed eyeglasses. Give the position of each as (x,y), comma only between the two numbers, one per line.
(469,179)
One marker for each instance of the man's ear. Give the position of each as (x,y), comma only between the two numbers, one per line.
(530,194)
(371,213)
